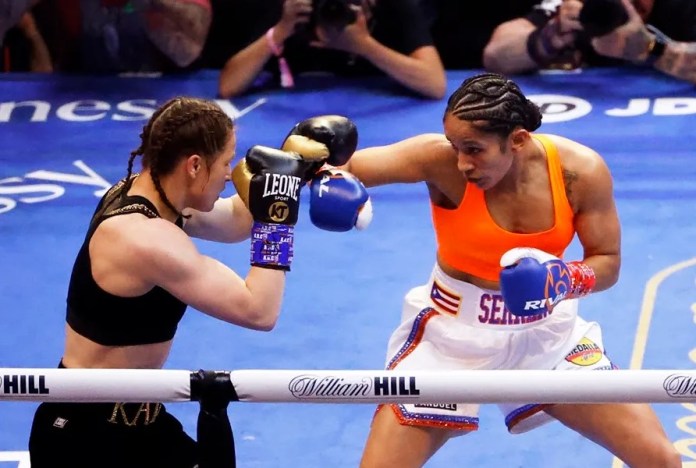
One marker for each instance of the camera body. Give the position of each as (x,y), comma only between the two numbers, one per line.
(335,14)
(600,17)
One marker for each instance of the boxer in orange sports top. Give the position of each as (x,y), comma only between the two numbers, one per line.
(506,203)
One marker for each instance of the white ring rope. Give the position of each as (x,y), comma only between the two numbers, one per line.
(354,386)
(95,385)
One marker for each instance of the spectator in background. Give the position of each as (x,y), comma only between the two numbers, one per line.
(10,13)
(249,37)
(462,29)
(552,36)
(143,35)
(23,46)
(636,42)
(114,36)
(59,22)
(39,56)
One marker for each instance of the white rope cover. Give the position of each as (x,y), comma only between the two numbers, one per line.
(484,386)
(94,385)
(356,386)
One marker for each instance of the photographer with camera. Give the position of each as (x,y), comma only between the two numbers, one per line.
(568,34)
(345,37)
(638,43)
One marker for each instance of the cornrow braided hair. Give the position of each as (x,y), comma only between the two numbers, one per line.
(495,102)
(179,128)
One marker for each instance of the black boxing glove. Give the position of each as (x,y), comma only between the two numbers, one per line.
(330,139)
(269,181)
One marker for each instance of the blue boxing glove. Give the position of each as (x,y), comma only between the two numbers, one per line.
(533,281)
(339,201)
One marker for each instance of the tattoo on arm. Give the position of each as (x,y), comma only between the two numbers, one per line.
(679,60)
(569,178)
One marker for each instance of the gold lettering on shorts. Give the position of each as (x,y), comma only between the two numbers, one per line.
(149,412)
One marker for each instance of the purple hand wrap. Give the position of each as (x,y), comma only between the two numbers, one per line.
(271,245)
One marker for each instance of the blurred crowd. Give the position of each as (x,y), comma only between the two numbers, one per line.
(262,43)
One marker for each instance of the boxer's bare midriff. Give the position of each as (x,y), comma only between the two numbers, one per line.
(467,277)
(81,352)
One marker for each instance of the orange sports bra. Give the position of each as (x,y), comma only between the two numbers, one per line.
(469,240)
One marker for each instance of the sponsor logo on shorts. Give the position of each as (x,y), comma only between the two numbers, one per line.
(609,367)
(23,384)
(680,386)
(439,406)
(586,353)
(60,423)
(316,387)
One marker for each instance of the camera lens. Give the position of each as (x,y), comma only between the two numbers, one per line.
(335,14)
(600,17)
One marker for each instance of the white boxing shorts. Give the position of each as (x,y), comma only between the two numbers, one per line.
(453,325)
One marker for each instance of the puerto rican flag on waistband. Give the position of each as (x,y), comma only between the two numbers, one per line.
(445,300)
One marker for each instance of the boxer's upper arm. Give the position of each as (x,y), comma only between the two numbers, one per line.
(407,161)
(597,222)
(174,263)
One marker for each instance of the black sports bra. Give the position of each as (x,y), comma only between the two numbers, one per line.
(113,320)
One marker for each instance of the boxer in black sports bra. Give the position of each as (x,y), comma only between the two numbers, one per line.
(138,270)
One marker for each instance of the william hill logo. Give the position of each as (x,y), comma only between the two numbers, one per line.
(399,386)
(316,387)
(22,384)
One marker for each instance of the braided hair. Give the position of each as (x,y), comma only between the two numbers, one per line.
(179,128)
(495,103)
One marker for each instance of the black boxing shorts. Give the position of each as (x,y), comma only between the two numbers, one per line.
(109,435)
